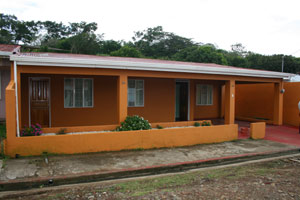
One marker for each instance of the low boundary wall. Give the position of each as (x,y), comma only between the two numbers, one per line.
(115,141)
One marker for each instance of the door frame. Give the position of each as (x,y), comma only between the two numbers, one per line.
(188,83)
(29,95)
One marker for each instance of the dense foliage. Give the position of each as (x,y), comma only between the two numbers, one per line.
(33,130)
(134,123)
(150,43)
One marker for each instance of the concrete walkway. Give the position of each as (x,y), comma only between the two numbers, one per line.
(43,168)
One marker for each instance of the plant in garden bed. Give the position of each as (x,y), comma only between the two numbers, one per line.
(134,123)
(206,123)
(33,130)
(62,131)
(197,124)
(159,127)
(2,138)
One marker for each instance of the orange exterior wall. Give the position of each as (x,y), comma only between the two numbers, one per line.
(159,100)
(105,102)
(211,111)
(291,97)
(254,101)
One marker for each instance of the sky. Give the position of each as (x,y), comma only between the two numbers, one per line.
(262,26)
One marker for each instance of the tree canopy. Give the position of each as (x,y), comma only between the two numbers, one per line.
(154,42)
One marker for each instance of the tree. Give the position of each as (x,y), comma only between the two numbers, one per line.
(127,51)
(108,46)
(83,27)
(202,54)
(54,30)
(14,31)
(238,49)
(84,43)
(156,43)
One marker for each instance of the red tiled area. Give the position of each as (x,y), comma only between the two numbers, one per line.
(283,134)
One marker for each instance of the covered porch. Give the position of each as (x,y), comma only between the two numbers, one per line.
(99,99)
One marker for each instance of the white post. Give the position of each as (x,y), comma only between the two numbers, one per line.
(17,103)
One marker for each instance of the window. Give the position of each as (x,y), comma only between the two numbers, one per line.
(78,92)
(135,93)
(204,94)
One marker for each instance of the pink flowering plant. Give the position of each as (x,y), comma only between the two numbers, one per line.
(33,130)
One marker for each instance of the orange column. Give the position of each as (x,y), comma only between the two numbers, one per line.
(122,97)
(229,101)
(192,99)
(11,126)
(278,103)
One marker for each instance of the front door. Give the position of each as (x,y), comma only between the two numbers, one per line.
(39,92)
(182,101)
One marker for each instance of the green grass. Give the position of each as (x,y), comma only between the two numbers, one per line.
(168,183)
(142,187)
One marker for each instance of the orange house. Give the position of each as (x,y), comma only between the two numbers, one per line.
(85,93)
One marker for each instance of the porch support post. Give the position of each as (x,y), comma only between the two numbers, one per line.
(122,98)
(278,103)
(192,99)
(229,101)
(17,85)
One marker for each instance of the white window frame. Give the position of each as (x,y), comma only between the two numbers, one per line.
(198,95)
(83,106)
(135,80)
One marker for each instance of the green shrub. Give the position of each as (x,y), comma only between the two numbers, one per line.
(62,131)
(2,131)
(197,124)
(134,123)
(159,127)
(206,123)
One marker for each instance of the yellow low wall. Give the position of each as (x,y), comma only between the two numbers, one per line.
(258,130)
(115,141)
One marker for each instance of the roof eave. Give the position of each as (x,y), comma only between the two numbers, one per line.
(112,64)
(5,53)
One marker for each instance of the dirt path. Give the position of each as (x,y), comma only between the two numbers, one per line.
(279,179)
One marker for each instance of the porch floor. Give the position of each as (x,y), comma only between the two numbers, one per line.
(283,134)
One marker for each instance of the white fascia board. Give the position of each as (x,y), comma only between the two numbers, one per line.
(5,53)
(112,64)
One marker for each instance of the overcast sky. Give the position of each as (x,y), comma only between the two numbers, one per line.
(262,26)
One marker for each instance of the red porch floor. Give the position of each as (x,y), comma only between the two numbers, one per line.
(283,134)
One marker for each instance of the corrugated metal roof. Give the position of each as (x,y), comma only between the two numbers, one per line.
(125,59)
(9,48)
(93,61)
